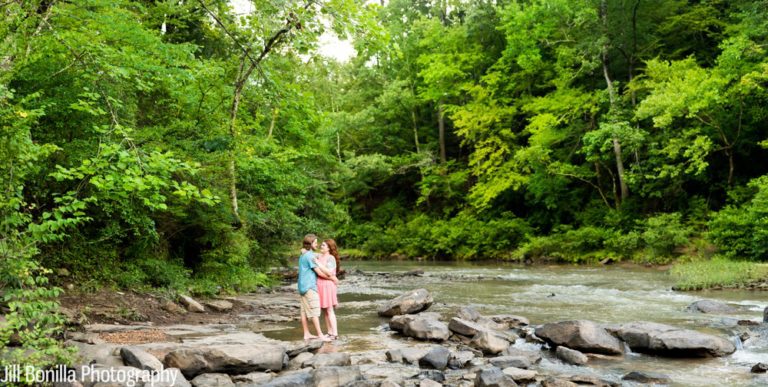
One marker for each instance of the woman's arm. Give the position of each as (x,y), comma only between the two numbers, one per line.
(324,273)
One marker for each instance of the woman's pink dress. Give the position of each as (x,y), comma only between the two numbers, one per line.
(326,289)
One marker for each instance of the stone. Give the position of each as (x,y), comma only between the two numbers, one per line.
(174,379)
(332,376)
(520,375)
(253,378)
(429,383)
(398,323)
(236,359)
(219,305)
(212,380)
(304,346)
(298,361)
(759,368)
(489,343)
(468,313)
(460,359)
(172,307)
(512,321)
(136,357)
(531,357)
(338,359)
(765,315)
(106,354)
(414,301)
(709,306)
(191,304)
(571,356)
(557,382)
(647,377)
(666,340)
(593,381)
(407,355)
(299,378)
(512,361)
(427,329)
(493,377)
(581,335)
(435,375)
(436,358)
(464,327)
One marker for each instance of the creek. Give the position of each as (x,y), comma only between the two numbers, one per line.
(551,293)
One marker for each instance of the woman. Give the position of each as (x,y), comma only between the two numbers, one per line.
(329,261)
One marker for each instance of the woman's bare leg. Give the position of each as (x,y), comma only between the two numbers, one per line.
(330,317)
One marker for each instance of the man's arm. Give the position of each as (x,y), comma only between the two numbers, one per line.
(323,273)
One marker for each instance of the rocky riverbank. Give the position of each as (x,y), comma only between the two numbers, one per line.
(422,348)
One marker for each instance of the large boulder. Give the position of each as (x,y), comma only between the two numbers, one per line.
(580,335)
(230,359)
(464,327)
(191,304)
(424,328)
(398,323)
(337,359)
(414,301)
(436,358)
(666,340)
(709,306)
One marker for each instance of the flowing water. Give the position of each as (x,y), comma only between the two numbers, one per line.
(612,294)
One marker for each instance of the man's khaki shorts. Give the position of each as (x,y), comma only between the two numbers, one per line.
(310,304)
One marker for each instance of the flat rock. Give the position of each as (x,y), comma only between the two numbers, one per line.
(398,323)
(427,329)
(333,376)
(412,302)
(557,382)
(219,305)
(647,377)
(302,347)
(436,358)
(212,380)
(460,359)
(581,335)
(533,357)
(709,306)
(493,377)
(512,361)
(236,359)
(299,378)
(464,327)
(407,355)
(666,340)
(511,320)
(321,360)
(571,356)
(298,361)
(253,378)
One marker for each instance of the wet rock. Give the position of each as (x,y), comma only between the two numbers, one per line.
(460,359)
(212,380)
(512,321)
(140,359)
(667,340)
(581,335)
(253,378)
(747,323)
(436,358)
(398,323)
(338,359)
(493,377)
(709,306)
(765,315)
(336,376)
(647,377)
(571,356)
(557,382)
(415,273)
(219,305)
(512,361)
(191,304)
(299,378)
(520,375)
(236,359)
(412,302)
(759,368)
(592,381)
(489,343)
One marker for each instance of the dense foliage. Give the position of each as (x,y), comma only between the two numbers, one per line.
(184,145)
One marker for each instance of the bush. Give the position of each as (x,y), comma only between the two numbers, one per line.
(743,231)
(662,234)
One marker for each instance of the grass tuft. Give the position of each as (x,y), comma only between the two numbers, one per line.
(718,272)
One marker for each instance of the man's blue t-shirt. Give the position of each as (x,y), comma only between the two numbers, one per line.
(307,275)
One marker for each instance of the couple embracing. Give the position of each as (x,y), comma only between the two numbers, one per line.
(317,286)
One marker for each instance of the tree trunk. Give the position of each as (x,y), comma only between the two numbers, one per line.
(272,124)
(441,131)
(612,95)
(415,130)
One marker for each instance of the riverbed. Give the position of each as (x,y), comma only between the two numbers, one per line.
(550,293)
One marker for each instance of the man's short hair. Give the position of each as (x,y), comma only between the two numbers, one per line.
(308,239)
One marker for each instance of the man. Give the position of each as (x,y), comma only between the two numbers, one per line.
(310,301)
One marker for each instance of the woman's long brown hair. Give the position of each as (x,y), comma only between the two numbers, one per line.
(333,250)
